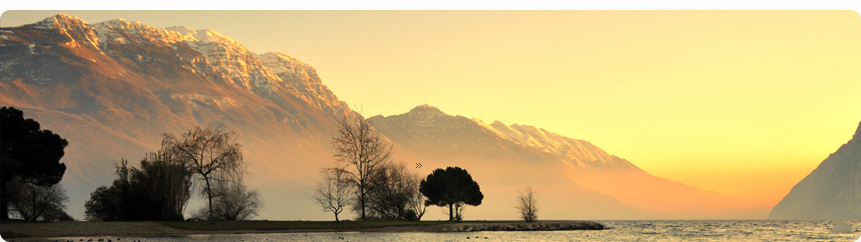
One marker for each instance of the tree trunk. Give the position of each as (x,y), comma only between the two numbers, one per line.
(450,212)
(209,197)
(336,218)
(363,203)
(4,202)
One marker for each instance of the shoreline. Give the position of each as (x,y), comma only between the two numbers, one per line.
(22,230)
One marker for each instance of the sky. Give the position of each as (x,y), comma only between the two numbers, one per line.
(745,103)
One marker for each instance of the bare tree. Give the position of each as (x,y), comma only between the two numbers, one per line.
(333,192)
(39,202)
(393,193)
(418,202)
(234,201)
(527,204)
(364,155)
(212,154)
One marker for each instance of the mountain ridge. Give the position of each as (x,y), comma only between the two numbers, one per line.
(831,191)
(577,165)
(113,88)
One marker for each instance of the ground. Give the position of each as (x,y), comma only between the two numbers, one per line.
(19,229)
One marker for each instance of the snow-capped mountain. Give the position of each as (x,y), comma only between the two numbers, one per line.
(831,191)
(113,88)
(576,171)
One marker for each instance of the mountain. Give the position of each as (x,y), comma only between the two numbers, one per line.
(113,88)
(575,177)
(831,191)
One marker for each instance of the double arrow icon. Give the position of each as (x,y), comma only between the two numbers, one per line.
(418,165)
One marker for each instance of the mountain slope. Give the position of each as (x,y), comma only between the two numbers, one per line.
(575,171)
(831,191)
(113,88)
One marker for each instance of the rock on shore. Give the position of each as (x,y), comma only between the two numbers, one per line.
(537,226)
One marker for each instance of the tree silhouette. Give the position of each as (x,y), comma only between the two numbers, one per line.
(452,187)
(364,155)
(333,192)
(27,152)
(527,204)
(212,154)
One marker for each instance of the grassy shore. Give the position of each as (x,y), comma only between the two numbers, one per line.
(19,229)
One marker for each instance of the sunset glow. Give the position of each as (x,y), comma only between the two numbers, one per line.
(745,103)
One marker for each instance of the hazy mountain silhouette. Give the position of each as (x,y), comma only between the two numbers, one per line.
(831,191)
(112,88)
(573,171)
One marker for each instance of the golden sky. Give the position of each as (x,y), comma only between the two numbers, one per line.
(745,103)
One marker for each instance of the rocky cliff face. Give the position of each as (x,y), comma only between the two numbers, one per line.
(831,191)
(113,88)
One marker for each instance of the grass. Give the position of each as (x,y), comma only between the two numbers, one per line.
(302,225)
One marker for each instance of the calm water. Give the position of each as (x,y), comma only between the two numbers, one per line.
(641,230)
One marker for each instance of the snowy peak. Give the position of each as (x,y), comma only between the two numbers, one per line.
(121,31)
(304,79)
(76,32)
(426,109)
(430,122)
(203,35)
(284,64)
(166,55)
(58,21)
(580,153)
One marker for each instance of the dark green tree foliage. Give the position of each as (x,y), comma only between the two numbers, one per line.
(28,152)
(158,190)
(105,205)
(451,187)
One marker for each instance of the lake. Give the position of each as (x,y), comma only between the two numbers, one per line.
(621,230)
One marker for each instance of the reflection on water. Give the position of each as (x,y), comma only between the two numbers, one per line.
(639,230)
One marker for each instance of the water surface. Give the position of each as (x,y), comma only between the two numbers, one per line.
(626,230)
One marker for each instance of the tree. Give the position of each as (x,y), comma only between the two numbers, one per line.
(393,194)
(333,192)
(158,190)
(114,203)
(211,154)
(161,187)
(104,205)
(527,204)
(418,204)
(44,203)
(27,152)
(452,187)
(363,154)
(234,201)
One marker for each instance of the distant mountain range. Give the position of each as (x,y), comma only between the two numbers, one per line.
(112,88)
(831,191)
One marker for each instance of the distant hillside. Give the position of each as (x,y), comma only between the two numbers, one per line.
(113,88)
(831,191)
(571,171)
